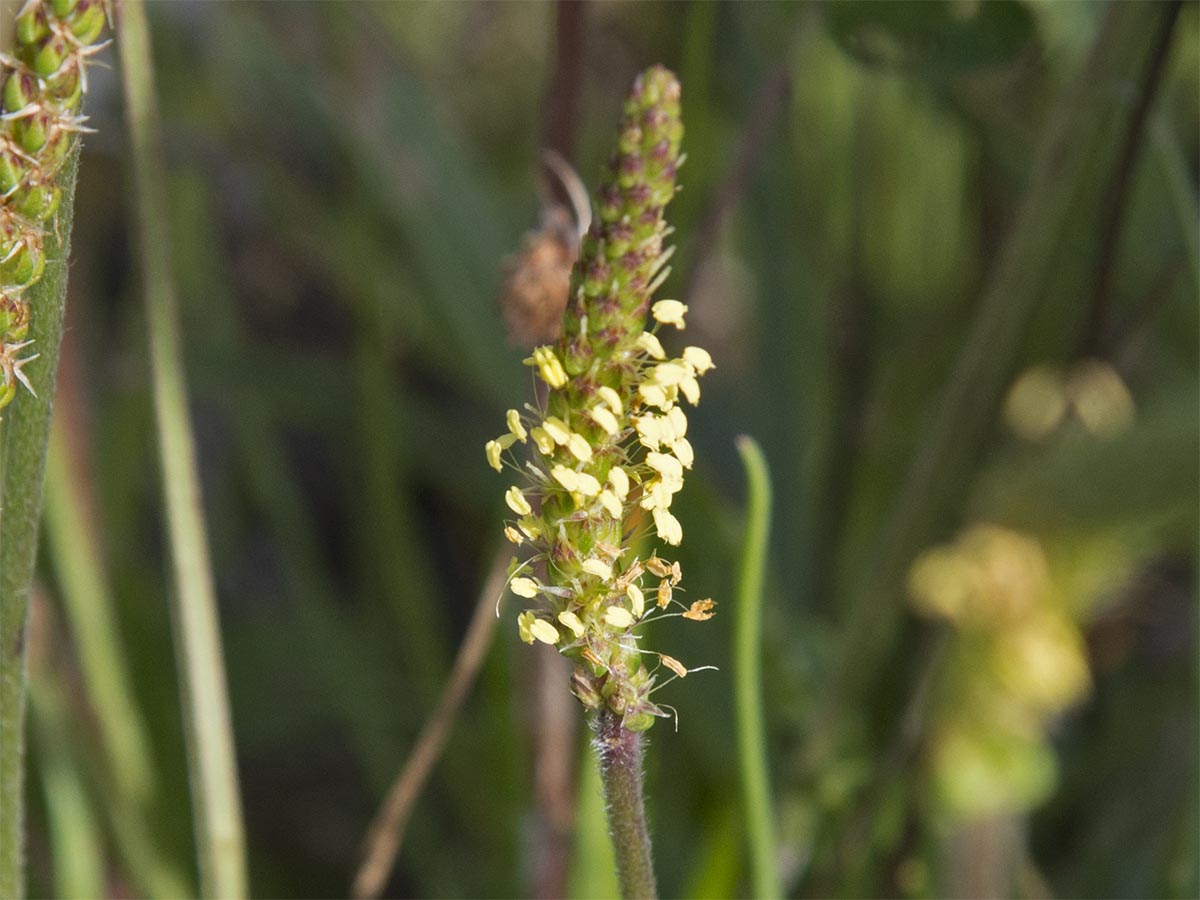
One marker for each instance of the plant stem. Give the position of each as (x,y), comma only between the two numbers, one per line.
(747,648)
(23,437)
(383,840)
(208,732)
(620,752)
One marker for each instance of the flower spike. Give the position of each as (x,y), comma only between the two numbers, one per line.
(610,443)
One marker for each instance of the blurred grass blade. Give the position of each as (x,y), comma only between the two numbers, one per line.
(747,656)
(23,437)
(208,730)
(1174,165)
(91,616)
(77,846)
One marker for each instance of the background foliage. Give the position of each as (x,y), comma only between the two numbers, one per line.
(346,182)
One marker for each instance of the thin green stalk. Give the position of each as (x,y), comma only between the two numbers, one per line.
(76,839)
(90,613)
(24,434)
(216,802)
(620,752)
(747,655)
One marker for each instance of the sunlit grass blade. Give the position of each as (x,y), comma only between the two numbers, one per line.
(216,798)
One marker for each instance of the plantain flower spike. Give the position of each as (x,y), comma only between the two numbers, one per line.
(44,81)
(609,450)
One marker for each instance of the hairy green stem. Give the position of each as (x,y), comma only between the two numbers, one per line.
(747,655)
(216,802)
(620,752)
(24,434)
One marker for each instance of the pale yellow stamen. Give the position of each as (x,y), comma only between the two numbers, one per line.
(524,587)
(541,437)
(651,345)
(587,485)
(699,359)
(572,622)
(678,420)
(544,631)
(612,398)
(649,431)
(691,389)
(656,395)
(611,504)
(668,466)
(669,312)
(493,451)
(524,620)
(636,599)
(516,501)
(603,417)
(682,448)
(548,367)
(579,447)
(619,481)
(618,617)
(599,568)
(568,478)
(557,429)
(513,418)
(668,527)
(670,373)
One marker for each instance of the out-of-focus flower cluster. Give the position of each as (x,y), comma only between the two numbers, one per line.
(1016,662)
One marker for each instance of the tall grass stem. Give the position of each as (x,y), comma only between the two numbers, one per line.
(216,801)
(747,656)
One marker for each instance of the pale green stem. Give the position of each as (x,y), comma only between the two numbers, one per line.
(216,803)
(24,432)
(747,657)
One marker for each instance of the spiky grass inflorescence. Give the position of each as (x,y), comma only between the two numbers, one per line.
(45,79)
(610,446)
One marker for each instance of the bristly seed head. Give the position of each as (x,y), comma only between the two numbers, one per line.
(44,81)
